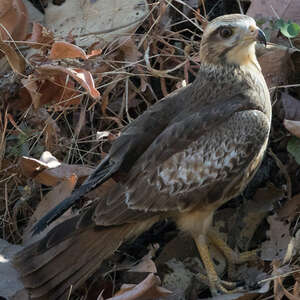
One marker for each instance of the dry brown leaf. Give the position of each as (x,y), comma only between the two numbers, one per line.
(291,107)
(101,135)
(146,265)
(178,275)
(276,65)
(94,53)
(83,77)
(291,209)
(60,91)
(30,167)
(14,26)
(62,49)
(40,37)
(14,18)
(279,238)
(57,89)
(180,247)
(148,289)
(255,211)
(14,58)
(293,127)
(129,49)
(32,87)
(49,171)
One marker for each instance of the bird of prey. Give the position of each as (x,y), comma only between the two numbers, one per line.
(183,158)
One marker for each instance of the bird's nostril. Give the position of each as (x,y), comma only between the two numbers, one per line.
(252,29)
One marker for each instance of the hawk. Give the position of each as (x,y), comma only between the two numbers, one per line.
(183,158)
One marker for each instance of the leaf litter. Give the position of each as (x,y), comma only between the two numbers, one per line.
(67,96)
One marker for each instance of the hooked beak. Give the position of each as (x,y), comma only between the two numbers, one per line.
(260,37)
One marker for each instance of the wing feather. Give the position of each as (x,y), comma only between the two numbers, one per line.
(181,171)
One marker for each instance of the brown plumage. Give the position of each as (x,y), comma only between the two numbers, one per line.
(184,157)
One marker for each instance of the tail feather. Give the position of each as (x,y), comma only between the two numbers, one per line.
(73,256)
(35,261)
(90,266)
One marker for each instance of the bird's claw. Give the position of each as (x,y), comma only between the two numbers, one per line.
(218,286)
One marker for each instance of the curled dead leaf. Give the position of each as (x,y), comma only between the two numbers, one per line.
(83,77)
(14,58)
(148,289)
(275,62)
(129,49)
(14,18)
(40,37)
(30,167)
(291,209)
(93,53)
(55,89)
(279,238)
(291,107)
(146,265)
(32,87)
(255,212)
(62,49)
(49,171)
(14,26)
(293,127)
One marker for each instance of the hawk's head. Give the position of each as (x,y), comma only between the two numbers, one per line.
(230,39)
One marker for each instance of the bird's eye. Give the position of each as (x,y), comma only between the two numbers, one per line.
(226,32)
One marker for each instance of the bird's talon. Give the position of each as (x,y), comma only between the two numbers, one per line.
(218,286)
(229,284)
(223,287)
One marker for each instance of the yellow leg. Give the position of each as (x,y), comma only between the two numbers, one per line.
(216,285)
(232,257)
